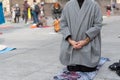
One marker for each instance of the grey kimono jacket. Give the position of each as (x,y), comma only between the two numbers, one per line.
(80,23)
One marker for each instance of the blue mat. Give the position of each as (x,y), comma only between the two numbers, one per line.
(6,50)
(67,75)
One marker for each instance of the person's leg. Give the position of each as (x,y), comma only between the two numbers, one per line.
(26,17)
(37,20)
(15,19)
(34,17)
(18,19)
(85,68)
(71,68)
(23,16)
(81,68)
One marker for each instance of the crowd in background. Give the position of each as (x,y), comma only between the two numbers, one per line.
(29,12)
(34,12)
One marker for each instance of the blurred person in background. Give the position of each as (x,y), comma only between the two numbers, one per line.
(25,11)
(56,10)
(35,12)
(17,13)
(2,18)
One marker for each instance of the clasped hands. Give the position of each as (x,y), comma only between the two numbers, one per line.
(78,44)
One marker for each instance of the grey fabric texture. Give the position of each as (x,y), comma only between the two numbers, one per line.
(80,23)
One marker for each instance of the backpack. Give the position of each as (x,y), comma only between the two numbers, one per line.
(37,9)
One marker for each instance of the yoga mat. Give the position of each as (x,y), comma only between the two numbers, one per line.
(67,75)
(6,50)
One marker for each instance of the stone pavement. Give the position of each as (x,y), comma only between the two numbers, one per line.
(37,53)
(110,47)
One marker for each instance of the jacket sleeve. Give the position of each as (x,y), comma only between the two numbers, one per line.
(64,26)
(97,24)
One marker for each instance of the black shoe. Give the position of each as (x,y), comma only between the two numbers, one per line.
(118,72)
(115,66)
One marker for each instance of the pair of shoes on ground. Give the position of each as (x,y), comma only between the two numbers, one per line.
(115,67)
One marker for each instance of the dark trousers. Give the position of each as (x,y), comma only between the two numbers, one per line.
(81,68)
(25,16)
(16,19)
(35,17)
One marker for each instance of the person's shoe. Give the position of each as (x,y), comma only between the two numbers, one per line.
(118,72)
(115,66)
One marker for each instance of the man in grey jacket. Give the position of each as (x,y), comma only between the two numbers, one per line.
(81,23)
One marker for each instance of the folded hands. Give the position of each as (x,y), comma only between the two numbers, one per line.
(78,44)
